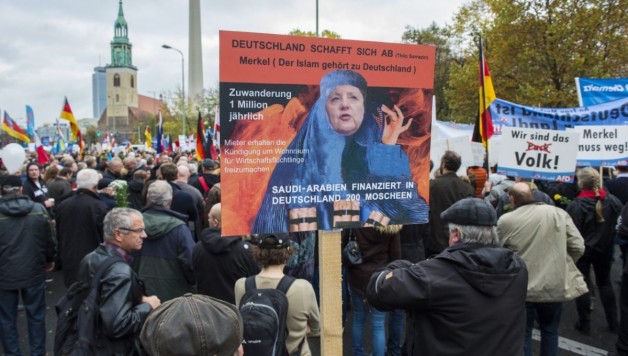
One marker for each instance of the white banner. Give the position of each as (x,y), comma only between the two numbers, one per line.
(604,146)
(538,154)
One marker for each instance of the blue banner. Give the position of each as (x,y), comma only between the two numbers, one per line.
(505,113)
(593,91)
(566,177)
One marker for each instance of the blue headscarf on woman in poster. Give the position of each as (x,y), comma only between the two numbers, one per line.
(325,155)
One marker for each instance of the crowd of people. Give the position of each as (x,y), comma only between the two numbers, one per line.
(498,255)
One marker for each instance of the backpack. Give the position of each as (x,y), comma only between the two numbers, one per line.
(77,314)
(264,313)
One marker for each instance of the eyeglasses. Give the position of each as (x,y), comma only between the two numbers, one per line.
(139,230)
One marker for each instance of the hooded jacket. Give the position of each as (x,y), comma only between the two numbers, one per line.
(27,242)
(219,262)
(467,300)
(165,261)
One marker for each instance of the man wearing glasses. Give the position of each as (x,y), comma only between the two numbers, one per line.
(123,304)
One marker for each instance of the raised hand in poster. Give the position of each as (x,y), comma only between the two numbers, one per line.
(354,172)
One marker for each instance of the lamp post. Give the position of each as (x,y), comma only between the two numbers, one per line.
(182,85)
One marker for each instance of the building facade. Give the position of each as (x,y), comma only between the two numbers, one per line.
(99,91)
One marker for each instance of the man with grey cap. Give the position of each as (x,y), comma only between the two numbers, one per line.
(193,324)
(467,300)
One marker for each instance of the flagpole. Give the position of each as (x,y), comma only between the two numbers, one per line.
(484,128)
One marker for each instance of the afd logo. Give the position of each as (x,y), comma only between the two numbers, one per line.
(564,178)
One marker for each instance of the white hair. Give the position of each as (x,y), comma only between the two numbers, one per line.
(159,193)
(87,178)
(485,235)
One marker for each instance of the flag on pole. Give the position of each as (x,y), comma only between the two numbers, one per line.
(200,139)
(42,155)
(66,114)
(168,144)
(13,129)
(149,138)
(160,133)
(483,129)
(30,121)
(210,149)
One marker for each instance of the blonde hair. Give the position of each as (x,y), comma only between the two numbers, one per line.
(589,179)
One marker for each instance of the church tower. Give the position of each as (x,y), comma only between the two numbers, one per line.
(121,79)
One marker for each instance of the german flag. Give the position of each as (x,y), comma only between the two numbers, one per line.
(66,114)
(200,139)
(483,129)
(13,129)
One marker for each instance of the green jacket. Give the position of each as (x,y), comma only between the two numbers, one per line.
(165,261)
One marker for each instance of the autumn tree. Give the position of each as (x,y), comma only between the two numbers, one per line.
(440,38)
(535,49)
(324,34)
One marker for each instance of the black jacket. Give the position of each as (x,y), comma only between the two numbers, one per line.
(219,262)
(79,230)
(467,300)
(597,236)
(37,194)
(619,188)
(122,314)
(135,199)
(210,180)
(378,245)
(27,242)
(182,202)
(59,188)
(444,192)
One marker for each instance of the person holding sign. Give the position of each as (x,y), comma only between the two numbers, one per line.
(349,146)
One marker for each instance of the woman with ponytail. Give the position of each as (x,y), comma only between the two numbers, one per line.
(595,213)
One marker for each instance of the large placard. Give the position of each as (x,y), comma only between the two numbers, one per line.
(602,146)
(538,154)
(321,133)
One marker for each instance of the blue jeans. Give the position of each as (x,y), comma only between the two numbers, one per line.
(378,320)
(34,299)
(548,316)
(361,311)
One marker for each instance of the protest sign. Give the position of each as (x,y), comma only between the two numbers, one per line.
(461,145)
(507,114)
(593,91)
(602,146)
(538,154)
(289,163)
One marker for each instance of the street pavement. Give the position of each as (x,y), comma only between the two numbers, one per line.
(601,341)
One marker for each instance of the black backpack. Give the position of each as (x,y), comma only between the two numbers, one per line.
(264,313)
(77,315)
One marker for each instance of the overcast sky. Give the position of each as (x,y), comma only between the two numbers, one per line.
(49,48)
